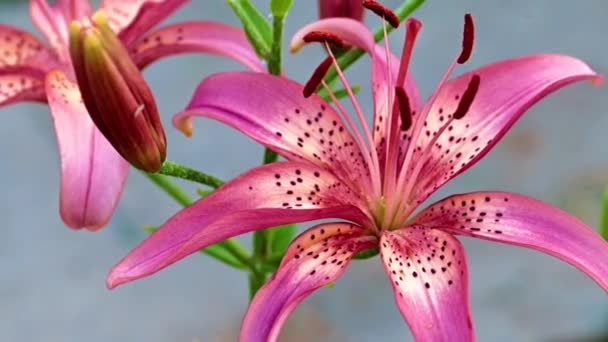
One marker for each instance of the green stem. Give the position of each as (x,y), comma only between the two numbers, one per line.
(274,60)
(256,281)
(274,68)
(604,216)
(260,237)
(348,58)
(239,252)
(170,168)
(172,189)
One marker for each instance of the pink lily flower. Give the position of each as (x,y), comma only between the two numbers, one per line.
(92,172)
(374,178)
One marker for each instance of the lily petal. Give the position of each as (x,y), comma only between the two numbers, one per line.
(522,221)
(196,36)
(20,87)
(21,49)
(428,273)
(385,67)
(315,258)
(507,89)
(53,20)
(266,196)
(273,111)
(24,62)
(130,19)
(92,172)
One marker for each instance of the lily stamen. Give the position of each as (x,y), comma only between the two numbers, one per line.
(468,36)
(383,12)
(322,37)
(352,127)
(405,110)
(419,122)
(463,107)
(413,27)
(374,166)
(467,98)
(317,77)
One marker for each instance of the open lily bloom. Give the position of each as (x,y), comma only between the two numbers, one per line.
(92,172)
(374,179)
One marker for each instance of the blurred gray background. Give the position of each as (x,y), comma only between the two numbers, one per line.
(52,278)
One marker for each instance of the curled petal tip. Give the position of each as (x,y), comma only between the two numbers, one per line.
(184,124)
(117,276)
(598,80)
(296,45)
(111,281)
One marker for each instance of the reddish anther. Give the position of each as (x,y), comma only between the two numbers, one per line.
(322,37)
(405,110)
(317,76)
(468,36)
(467,98)
(382,11)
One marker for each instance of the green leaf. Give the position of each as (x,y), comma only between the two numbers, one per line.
(256,26)
(203,192)
(604,216)
(217,251)
(279,8)
(149,228)
(366,254)
(280,237)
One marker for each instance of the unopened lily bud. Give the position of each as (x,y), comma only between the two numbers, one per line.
(341,8)
(115,93)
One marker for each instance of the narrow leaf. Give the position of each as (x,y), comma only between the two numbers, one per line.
(203,192)
(280,237)
(279,8)
(256,26)
(366,254)
(604,216)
